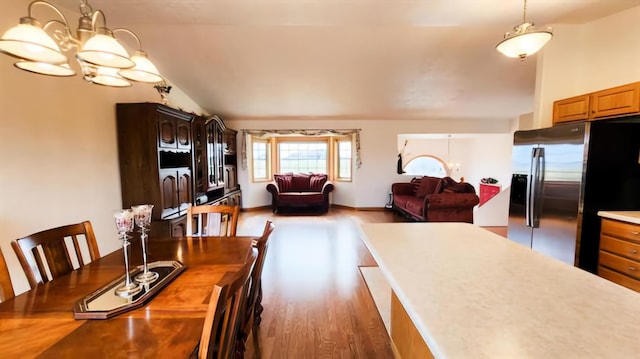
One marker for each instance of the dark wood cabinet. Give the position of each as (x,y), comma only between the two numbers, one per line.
(173,159)
(155,155)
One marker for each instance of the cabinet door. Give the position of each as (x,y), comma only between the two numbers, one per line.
(616,101)
(199,158)
(185,195)
(229,141)
(167,131)
(183,134)
(231,178)
(571,109)
(169,192)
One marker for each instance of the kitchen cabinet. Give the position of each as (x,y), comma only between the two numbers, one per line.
(619,256)
(613,102)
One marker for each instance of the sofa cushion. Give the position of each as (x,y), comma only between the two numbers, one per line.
(428,185)
(284,181)
(300,182)
(316,181)
(451,186)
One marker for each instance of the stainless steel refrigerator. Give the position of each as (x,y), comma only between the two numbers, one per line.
(562,176)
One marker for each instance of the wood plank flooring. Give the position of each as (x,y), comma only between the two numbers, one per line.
(316,303)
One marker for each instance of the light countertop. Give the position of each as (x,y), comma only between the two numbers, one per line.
(625,216)
(474,294)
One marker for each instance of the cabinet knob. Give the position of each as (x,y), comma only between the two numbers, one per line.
(633,269)
(633,251)
(635,233)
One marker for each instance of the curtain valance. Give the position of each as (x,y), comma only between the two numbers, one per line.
(277,133)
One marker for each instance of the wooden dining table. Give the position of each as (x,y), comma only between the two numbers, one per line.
(40,322)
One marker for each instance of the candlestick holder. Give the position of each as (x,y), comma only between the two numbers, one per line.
(124,225)
(142,216)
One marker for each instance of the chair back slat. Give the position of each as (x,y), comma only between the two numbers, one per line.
(212,220)
(6,287)
(222,321)
(46,255)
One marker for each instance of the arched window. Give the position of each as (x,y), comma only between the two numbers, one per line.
(426,165)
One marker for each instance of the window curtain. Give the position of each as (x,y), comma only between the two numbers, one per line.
(274,133)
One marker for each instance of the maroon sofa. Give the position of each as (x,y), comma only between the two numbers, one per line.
(300,190)
(432,199)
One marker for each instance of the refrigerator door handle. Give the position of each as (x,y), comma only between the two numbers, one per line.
(533,184)
(537,179)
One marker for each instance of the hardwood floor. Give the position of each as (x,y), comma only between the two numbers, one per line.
(316,303)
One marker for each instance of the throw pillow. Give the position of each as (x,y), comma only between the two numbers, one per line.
(284,181)
(451,186)
(316,181)
(428,185)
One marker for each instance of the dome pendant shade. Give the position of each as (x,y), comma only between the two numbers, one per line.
(524,42)
(143,71)
(104,50)
(45,68)
(30,42)
(108,76)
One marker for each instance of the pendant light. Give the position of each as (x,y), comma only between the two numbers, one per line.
(525,40)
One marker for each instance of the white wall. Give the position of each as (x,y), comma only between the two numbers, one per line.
(379,150)
(586,58)
(58,154)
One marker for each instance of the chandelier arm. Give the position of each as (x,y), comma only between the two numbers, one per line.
(133,34)
(94,19)
(50,5)
(68,36)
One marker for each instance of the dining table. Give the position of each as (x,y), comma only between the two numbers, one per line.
(41,322)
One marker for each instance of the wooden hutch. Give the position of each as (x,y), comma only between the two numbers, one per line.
(173,159)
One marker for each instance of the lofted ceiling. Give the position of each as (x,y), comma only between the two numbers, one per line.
(390,59)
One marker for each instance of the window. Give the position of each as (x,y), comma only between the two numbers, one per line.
(343,161)
(331,155)
(260,160)
(426,166)
(302,157)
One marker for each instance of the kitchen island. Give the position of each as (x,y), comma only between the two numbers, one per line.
(461,291)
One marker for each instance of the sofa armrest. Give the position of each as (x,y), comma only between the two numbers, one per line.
(327,187)
(402,188)
(449,200)
(273,188)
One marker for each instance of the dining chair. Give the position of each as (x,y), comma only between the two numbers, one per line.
(51,253)
(212,220)
(6,288)
(252,315)
(222,321)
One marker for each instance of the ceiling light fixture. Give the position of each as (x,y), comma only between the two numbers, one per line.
(102,59)
(525,40)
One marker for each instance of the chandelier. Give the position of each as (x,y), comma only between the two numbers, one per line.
(102,59)
(525,40)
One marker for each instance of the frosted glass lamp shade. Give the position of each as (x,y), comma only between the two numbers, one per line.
(143,71)
(524,42)
(104,50)
(45,68)
(108,76)
(29,41)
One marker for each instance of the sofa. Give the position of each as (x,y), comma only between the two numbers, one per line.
(432,199)
(296,191)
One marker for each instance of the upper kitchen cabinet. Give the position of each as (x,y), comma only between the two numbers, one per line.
(614,102)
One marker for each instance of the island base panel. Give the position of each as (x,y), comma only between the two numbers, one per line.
(406,339)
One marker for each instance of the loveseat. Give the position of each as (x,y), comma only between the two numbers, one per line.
(432,199)
(300,191)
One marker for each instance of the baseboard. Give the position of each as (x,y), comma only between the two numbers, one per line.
(261,208)
(358,208)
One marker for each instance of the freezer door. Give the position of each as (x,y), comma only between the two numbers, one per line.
(558,203)
(524,144)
